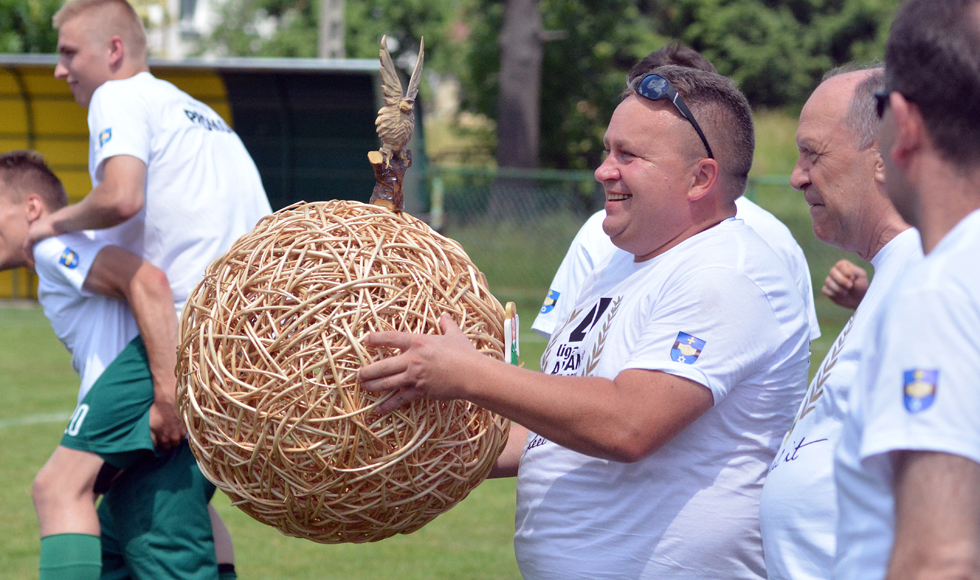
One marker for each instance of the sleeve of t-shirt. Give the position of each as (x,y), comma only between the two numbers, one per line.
(715,327)
(586,252)
(924,396)
(67,259)
(118,125)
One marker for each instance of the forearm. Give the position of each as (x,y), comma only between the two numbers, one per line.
(937,518)
(152,305)
(510,459)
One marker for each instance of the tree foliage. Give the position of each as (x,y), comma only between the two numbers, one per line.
(25,25)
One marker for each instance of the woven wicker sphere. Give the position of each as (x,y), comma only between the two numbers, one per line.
(271,341)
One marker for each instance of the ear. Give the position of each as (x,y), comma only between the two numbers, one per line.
(34,206)
(909,130)
(879,171)
(117,51)
(706,174)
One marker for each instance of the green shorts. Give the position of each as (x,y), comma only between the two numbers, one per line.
(155,521)
(113,420)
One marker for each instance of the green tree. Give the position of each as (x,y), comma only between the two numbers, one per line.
(25,26)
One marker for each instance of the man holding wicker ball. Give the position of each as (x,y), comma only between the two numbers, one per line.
(668,388)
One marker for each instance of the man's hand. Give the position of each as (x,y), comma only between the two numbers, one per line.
(41,229)
(426,368)
(166,429)
(846,284)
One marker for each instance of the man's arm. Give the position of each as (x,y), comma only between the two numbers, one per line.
(120,274)
(119,197)
(510,459)
(625,419)
(846,284)
(937,517)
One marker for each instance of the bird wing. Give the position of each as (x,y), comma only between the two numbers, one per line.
(413,85)
(391,85)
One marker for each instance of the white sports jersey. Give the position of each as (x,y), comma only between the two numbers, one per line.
(202,189)
(798,512)
(917,391)
(713,310)
(591,247)
(94,328)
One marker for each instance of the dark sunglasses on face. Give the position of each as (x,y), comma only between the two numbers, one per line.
(882,98)
(657,88)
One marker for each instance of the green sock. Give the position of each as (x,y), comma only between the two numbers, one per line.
(227,572)
(71,557)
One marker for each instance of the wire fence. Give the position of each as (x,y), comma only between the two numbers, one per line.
(515,224)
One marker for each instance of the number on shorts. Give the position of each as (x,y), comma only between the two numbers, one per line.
(76,420)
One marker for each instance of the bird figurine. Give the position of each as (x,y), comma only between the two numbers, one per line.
(396,120)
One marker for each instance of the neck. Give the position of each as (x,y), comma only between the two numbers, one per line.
(705,222)
(885,229)
(947,194)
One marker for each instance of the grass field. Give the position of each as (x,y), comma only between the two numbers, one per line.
(472,541)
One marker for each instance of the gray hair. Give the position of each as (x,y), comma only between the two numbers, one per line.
(861,118)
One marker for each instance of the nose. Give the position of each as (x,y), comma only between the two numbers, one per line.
(800,177)
(606,171)
(60,71)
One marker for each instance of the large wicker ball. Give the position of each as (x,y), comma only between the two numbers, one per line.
(271,342)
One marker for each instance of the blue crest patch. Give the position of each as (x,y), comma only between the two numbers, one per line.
(686,348)
(919,389)
(550,301)
(68,259)
(105,136)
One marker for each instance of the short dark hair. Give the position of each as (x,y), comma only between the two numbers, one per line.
(933,59)
(671,53)
(724,115)
(861,117)
(25,172)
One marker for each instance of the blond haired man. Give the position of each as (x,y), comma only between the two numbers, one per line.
(172,182)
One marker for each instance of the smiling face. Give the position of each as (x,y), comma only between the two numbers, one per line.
(836,178)
(84,57)
(646,175)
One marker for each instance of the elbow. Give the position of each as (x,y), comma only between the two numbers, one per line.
(125,207)
(630,445)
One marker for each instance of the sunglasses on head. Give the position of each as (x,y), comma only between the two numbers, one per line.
(657,88)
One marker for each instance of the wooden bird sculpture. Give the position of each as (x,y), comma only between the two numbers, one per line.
(395,125)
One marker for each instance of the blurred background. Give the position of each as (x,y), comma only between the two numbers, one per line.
(515,99)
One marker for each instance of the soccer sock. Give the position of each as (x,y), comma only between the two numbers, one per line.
(227,572)
(70,557)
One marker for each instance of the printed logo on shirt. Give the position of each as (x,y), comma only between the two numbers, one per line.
(686,348)
(105,136)
(209,124)
(550,301)
(68,259)
(568,359)
(920,389)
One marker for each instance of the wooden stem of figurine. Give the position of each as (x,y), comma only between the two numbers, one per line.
(389,173)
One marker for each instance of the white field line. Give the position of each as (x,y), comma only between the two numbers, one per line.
(35,419)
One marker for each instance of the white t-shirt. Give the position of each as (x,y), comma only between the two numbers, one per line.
(798,511)
(94,328)
(202,189)
(917,390)
(712,310)
(591,247)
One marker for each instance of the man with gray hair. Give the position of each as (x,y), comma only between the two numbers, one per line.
(666,391)
(908,464)
(841,174)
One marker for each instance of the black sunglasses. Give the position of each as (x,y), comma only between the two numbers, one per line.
(882,98)
(657,88)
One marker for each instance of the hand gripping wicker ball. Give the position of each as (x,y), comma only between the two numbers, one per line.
(271,342)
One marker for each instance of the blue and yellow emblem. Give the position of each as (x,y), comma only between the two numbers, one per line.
(550,301)
(105,136)
(920,389)
(686,348)
(68,259)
